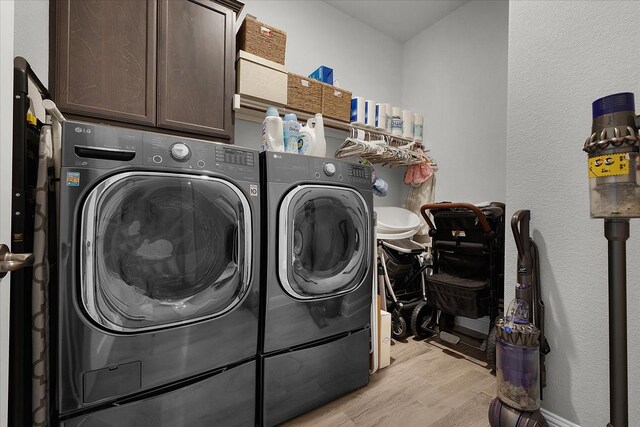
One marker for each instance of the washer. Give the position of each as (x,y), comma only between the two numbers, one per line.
(318,284)
(157,303)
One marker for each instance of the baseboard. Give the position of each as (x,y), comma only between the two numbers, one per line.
(555,420)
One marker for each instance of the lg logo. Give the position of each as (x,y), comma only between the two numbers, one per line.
(82,130)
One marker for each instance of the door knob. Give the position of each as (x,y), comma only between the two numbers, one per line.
(11,262)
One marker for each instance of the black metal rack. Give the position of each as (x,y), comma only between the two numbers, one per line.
(26,137)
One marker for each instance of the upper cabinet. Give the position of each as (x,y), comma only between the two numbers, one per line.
(160,63)
(195,67)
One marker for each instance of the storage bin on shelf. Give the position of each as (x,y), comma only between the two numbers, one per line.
(304,94)
(336,103)
(263,40)
(261,79)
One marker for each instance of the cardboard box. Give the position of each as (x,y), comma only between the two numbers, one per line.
(384,359)
(261,79)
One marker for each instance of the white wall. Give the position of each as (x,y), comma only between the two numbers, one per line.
(563,56)
(365,61)
(455,72)
(31,35)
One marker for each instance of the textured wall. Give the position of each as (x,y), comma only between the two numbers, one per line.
(31,35)
(562,56)
(455,72)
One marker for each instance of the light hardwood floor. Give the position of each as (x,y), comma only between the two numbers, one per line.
(427,384)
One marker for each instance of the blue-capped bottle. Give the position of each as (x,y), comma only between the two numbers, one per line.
(291,133)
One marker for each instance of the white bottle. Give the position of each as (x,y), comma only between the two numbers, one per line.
(272,136)
(291,133)
(311,141)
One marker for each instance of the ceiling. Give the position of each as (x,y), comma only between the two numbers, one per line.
(399,19)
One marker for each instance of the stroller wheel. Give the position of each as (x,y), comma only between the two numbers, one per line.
(399,328)
(421,319)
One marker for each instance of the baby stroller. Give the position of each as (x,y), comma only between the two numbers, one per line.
(401,267)
(468,272)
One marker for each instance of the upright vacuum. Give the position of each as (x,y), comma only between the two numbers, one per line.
(520,342)
(614,193)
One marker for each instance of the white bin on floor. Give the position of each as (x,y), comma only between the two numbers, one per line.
(385,339)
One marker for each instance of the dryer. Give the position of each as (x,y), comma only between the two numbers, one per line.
(156,306)
(317,289)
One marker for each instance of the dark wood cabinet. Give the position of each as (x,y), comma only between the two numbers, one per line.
(195,67)
(156,63)
(106,59)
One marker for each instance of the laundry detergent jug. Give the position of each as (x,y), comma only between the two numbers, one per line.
(311,140)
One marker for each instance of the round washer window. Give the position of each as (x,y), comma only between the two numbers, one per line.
(324,246)
(163,249)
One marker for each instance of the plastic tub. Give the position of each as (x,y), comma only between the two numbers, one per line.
(393,220)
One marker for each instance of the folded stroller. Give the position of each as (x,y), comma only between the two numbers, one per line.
(401,268)
(468,272)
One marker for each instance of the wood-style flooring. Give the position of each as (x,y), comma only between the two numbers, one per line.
(427,384)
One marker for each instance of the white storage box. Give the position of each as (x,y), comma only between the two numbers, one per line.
(261,79)
(385,339)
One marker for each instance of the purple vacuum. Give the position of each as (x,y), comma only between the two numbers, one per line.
(520,342)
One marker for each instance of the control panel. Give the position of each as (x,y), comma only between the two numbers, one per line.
(340,171)
(167,150)
(109,147)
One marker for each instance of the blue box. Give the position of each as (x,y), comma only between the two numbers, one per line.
(324,74)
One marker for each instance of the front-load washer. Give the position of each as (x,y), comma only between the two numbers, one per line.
(157,298)
(317,289)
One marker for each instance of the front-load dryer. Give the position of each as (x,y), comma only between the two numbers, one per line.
(317,289)
(155,311)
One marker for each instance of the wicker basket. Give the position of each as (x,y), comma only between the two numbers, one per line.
(304,94)
(262,40)
(336,103)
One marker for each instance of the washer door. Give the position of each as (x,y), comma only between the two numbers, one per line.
(324,246)
(162,249)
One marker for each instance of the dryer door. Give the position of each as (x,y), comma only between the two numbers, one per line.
(325,245)
(162,249)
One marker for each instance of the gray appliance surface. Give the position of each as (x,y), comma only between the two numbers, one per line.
(142,238)
(224,399)
(296,382)
(330,219)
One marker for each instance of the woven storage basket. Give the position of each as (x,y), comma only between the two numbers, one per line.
(304,94)
(336,103)
(262,40)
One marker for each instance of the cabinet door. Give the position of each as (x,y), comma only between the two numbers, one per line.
(195,67)
(105,57)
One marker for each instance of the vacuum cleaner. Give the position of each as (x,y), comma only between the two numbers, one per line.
(614,194)
(521,345)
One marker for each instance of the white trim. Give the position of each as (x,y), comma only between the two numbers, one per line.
(556,420)
(6,133)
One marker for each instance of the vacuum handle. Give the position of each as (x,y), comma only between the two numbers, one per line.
(440,206)
(520,228)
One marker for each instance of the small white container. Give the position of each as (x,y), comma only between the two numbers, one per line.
(396,121)
(381,116)
(357,110)
(407,124)
(418,122)
(389,116)
(370,113)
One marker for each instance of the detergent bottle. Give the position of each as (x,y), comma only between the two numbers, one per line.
(272,134)
(311,140)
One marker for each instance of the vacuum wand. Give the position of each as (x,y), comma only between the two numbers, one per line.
(617,232)
(613,167)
